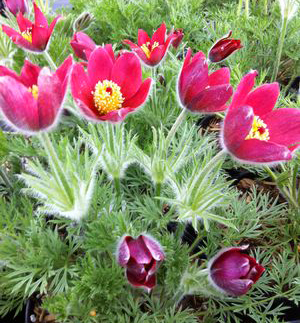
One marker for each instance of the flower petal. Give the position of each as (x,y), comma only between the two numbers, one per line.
(154,247)
(18,105)
(243,89)
(157,55)
(29,74)
(52,25)
(237,287)
(140,97)
(159,35)
(221,76)
(63,73)
(143,37)
(211,100)
(263,99)
(4,71)
(40,37)
(99,66)
(127,73)
(139,251)
(39,17)
(236,127)
(123,254)
(116,115)
(284,127)
(23,23)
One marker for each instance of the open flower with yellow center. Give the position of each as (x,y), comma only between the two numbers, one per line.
(255,133)
(111,88)
(33,36)
(32,101)
(152,51)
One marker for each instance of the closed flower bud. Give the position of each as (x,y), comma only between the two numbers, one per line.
(16,6)
(223,48)
(82,45)
(233,272)
(141,258)
(83,21)
(178,39)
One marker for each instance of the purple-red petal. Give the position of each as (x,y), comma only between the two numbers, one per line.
(159,35)
(140,97)
(143,37)
(221,76)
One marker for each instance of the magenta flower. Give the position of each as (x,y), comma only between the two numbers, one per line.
(111,88)
(152,51)
(16,6)
(252,132)
(223,48)
(141,258)
(35,36)
(82,45)
(178,37)
(32,101)
(233,272)
(199,91)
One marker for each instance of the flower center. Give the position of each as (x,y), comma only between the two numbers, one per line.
(259,130)
(27,34)
(148,48)
(34,90)
(107,97)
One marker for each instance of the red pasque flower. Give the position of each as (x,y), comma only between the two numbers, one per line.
(178,37)
(32,101)
(223,48)
(35,36)
(15,6)
(199,91)
(111,88)
(152,51)
(141,258)
(233,272)
(82,45)
(252,132)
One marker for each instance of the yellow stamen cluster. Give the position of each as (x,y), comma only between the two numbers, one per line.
(27,34)
(34,90)
(259,130)
(148,49)
(107,97)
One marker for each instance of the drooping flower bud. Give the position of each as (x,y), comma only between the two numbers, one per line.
(178,39)
(83,21)
(223,48)
(233,272)
(141,258)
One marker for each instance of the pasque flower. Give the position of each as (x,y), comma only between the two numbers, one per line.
(223,48)
(111,88)
(233,272)
(200,91)
(178,37)
(82,45)
(32,36)
(255,133)
(32,101)
(15,6)
(141,258)
(152,50)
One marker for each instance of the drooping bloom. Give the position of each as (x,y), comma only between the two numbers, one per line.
(233,272)
(111,88)
(252,132)
(82,45)
(223,48)
(16,6)
(178,39)
(199,91)
(35,36)
(32,101)
(152,50)
(141,258)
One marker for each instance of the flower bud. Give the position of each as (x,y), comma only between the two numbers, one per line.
(82,45)
(223,48)
(83,21)
(178,39)
(16,6)
(288,8)
(233,272)
(141,258)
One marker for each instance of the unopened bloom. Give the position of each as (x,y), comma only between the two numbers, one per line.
(152,50)
(252,132)
(233,272)
(82,45)
(35,36)
(32,101)
(178,37)
(16,6)
(199,91)
(223,48)
(288,8)
(141,258)
(111,88)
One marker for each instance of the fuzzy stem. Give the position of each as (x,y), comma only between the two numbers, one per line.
(5,178)
(247,8)
(294,181)
(266,7)
(117,186)
(239,8)
(157,189)
(280,46)
(175,126)
(56,164)
(49,60)
(153,72)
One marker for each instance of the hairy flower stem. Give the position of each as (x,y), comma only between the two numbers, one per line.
(117,183)
(175,126)
(154,95)
(284,191)
(5,178)
(266,7)
(49,60)
(280,45)
(247,8)
(55,164)
(239,8)
(157,189)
